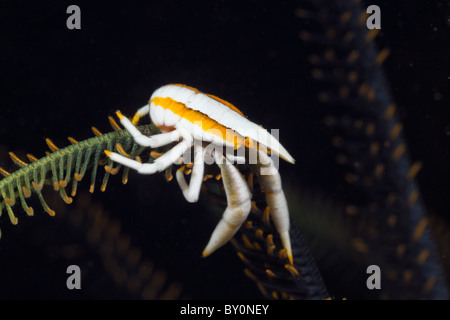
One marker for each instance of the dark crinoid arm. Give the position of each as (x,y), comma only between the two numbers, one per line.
(376,178)
(259,247)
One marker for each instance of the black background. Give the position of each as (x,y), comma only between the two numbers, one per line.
(57,82)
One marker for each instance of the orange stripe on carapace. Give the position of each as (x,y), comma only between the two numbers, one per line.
(229,105)
(196,117)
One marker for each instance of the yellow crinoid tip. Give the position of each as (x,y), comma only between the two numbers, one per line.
(108,153)
(119,115)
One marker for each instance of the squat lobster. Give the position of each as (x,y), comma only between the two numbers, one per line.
(190,117)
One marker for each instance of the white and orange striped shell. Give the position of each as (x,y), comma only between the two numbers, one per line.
(209,118)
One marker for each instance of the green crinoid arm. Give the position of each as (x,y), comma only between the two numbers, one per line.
(66,166)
